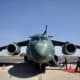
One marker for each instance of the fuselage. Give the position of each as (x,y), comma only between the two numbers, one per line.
(40,49)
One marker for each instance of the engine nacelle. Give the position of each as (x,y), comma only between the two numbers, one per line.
(68,48)
(13,49)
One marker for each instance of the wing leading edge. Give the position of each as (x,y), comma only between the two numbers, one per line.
(22,43)
(61,43)
(26,42)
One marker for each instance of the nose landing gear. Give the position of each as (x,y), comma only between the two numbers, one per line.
(41,68)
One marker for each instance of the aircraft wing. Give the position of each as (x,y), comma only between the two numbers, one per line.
(61,43)
(22,43)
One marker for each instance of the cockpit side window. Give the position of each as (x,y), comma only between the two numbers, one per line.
(43,38)
(35,38)
(39,38)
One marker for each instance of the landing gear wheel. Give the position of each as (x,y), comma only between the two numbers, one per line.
(43,68)
(55,60)
(25,58)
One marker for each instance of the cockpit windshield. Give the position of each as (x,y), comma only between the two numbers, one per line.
(35,38)
(39,37)
(43,38)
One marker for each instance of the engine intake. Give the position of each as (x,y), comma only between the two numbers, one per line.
(68,48)
(13,49)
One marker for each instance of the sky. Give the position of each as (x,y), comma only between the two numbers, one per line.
(20,19)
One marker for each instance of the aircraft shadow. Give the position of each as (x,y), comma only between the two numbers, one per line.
(23,70)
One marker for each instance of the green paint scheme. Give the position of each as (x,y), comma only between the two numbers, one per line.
(40,49)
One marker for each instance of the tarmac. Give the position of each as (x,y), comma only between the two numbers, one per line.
(24,71)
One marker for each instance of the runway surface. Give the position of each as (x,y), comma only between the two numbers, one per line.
(11,59)
(19,59)
(25,71)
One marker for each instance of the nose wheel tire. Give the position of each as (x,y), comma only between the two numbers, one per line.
(25,58)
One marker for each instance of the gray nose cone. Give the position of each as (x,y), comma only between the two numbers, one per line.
(41,50)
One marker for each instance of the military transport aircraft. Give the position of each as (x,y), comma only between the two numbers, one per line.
(41,49)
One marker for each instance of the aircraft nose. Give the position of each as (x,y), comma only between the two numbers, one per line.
(40,50)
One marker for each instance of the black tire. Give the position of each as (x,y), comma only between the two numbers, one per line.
(43,68)
(1,64)
(25,58)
